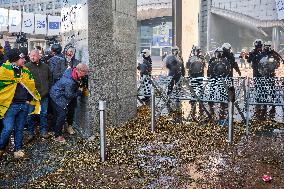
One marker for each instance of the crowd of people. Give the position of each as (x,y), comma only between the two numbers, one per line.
(38,90)
(263,60)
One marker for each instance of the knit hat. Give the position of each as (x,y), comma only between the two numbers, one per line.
(14,55)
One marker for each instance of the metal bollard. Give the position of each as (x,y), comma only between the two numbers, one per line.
(231,95)
(231,128)
(153,117)
(102,108)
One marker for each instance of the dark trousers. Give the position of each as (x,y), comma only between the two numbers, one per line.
(173,82)
(71,111)
(59,116)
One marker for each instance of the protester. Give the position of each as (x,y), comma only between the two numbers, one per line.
(72,62)
(62,93)
(42,79)
(16,93)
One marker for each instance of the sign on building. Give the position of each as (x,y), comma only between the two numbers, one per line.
(15,21)
(4,19)
(53,25)
(40,24)
(28,23)
(280,9)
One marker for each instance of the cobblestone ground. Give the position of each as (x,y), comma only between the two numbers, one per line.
(178,156)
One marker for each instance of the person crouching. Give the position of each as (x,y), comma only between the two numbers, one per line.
(62,93)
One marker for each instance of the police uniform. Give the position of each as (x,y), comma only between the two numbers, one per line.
(176,68)
(195,66)
(218,68)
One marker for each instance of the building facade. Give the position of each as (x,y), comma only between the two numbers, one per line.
(240,22)
(47,7)
(154,20)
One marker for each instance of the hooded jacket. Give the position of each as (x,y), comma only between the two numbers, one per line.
(65,90)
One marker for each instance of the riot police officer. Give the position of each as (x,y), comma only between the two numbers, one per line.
(219,67)
(254,58)
(226,47)
(195,65)
(145,72)
(147,62)
(176,68)
(269,62)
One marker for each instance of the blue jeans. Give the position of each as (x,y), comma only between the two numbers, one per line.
(42,116)
(14,118)
(59,114)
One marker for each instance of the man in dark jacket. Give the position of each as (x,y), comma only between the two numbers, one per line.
(42,79)
(176,68)
(62,93)
(195,65)
(57,64)
(226,47)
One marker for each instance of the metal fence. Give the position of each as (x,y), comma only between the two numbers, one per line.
(247,92)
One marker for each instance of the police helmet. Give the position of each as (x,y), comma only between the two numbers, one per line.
(146,52)
(258,43)
(267,45)
(57,48)
(175,50)
(226,47)
(218,52)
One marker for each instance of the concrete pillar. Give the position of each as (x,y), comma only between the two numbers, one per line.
(190,12)
(177,23)
(112,45)
(275,38)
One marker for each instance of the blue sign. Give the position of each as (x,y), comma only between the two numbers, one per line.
(53,25)
(40,24)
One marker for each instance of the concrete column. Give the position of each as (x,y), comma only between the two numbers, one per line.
(275,38)
(177,23)
(112,40)
(190,35)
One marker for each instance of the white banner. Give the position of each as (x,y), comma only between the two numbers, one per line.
(40,24)
(4,19)
(53,25)
(15,21)
(28,23)
(280,9)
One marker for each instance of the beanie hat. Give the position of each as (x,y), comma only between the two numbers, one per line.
(14,55)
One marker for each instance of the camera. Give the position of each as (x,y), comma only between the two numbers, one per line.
(51,40)
(21,38)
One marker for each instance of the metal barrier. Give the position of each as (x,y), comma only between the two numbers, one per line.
(160,84)
(247,92)
(264,91)
(215,90)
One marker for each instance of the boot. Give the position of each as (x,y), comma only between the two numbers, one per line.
(257,113)
(19,154)
(1,153)
(70,130)
(193,112)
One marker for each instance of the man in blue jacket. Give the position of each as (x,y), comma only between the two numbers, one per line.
(62,93)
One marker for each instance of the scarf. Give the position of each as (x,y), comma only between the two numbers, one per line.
(74,74)
(8,85)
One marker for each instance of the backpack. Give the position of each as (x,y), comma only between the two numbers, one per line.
(267,66)
(222,67)
(195,65)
